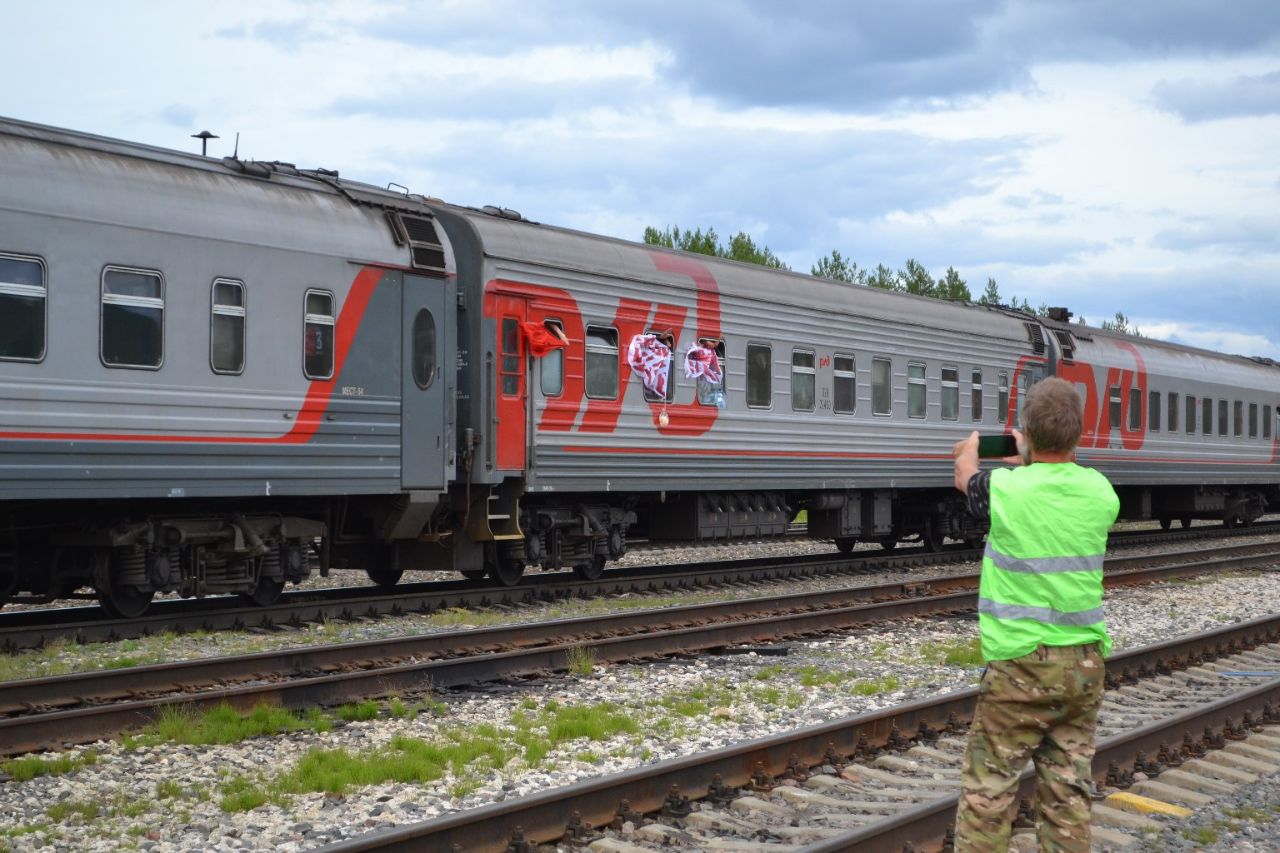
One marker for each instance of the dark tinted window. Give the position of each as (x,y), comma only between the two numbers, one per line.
(22,308)
(1002,397)
(424,349)
(602,362)
(1206,416)
(1191,414)
(759,376)
(1253,420)
(950,400)
(1173,411)
(132,318)
(976,395)
(845,377)
(881,386)
(1222,417)
(1113,407)
(317,352)
(1237,415)
(1153,411)
(226,327)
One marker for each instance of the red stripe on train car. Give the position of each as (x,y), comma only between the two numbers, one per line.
(314,405)
(721,451)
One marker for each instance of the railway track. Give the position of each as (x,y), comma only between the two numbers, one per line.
(48,713)
(35,628)
(1187,718)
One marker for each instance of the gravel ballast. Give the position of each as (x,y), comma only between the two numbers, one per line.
(168,797)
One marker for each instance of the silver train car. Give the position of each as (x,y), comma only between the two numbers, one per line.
(215,373)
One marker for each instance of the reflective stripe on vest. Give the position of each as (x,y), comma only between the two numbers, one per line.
(1042,569)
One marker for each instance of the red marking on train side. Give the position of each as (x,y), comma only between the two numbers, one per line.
(631,319)
(314,405)
(692,419)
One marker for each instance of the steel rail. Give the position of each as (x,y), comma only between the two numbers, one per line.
(543,817)
(104,704)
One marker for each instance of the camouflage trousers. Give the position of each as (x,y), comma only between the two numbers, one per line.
(1042,706)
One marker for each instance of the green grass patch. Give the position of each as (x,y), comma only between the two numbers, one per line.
(582,661)
(225,724)
(1200,835)
(962,653)
(29,767)
(359,712)
(875,686)
(60,812)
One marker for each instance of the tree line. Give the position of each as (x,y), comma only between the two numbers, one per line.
(912,277)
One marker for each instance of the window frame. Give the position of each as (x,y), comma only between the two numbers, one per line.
(800,370)
(588,349)
(768,386)
(850,375)
(704,390)
(241,311)
(330,319)
(135,301)
(669,341)
(1237,418)
(15,289)
(886,387)
(1206,416)
(1002,397)
(975,394)
(1266,421)
(921,382)
(558,352)
(1224,418)
(1191,408)
(1153,411)
(1173,403)
(1253,420)
(943,385)
(1135,409)
(1115,414)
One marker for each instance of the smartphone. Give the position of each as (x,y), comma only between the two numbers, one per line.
(996,446)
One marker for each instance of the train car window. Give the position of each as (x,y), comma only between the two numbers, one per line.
(803,381)
(950,401)
(23,294)
(710,392)
(132,318)
(668,340)
(1153,411)
(1002,397)
(1222,417)
(226,326)
(846,384)
(1206,416)
(424,349)
(512,364)
(759,376)
(1191,414)
(1135,409)
(1237,417)
(976,395)
(1253,420)
(551,365)
(881,387)
(916,406)
(1024,387)
(602,362)
(1266,421)
(1173,411)
(317,353)
(1113,407)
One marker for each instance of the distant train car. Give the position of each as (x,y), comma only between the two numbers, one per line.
(215,372)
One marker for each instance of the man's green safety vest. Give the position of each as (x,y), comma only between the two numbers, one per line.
(1042,570)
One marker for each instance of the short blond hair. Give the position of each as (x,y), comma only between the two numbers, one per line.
(1053,416)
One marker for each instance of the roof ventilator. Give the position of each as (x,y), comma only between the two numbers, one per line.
(1066,343)
(420,235)
(1036,336)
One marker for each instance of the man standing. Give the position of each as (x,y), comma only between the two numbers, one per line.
(1041,625)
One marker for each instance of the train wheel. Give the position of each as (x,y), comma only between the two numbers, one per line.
(591,571)
(1186,523)
(382,567)
(474,574)
(1231,522)
(845,544)
(266,593)
(506,571)
(384,577)
(932,536)
(1166,523)
(124,601)
(888,543)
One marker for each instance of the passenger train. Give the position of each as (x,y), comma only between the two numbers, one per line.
(215,372)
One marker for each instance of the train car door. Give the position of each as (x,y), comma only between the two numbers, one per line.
(424,413)
(512,391)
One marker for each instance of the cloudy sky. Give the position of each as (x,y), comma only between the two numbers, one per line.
(1107,156)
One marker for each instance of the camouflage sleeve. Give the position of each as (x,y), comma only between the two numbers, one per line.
(980,495)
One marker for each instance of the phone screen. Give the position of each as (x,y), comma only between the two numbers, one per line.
(996,446)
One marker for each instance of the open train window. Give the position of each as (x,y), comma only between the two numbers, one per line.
(950,397)
(1135,409)
(916,388)
(1222,417)
(881,387)
(804,379)
(1253,420)
(226,326)
(318,325)
(711,391)
(1153,411)
(845,379)
(602,362)
(669,341)
(132,333)
(1191,414)
(551,365)
(1206,416)
(23,294)
(1173,411)
(1002,397)
(976,395)
(759,376)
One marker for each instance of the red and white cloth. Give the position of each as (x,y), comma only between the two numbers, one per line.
(650,360)
(542,340)
(702,362)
